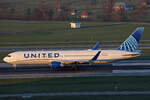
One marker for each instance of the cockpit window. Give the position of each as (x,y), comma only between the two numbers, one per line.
(9,56)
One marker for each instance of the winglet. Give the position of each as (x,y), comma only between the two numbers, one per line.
(96,46)
(96,56)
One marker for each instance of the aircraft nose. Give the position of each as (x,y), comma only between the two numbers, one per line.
(5,59)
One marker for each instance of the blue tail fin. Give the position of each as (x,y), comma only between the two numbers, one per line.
(131,43)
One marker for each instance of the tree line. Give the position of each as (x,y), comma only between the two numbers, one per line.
(43,12)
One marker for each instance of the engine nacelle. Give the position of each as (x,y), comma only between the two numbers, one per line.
(55,64)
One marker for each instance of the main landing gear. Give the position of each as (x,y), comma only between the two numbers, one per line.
(75,66)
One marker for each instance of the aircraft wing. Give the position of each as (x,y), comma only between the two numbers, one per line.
(80,61)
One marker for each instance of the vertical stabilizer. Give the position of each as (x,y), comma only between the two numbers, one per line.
(131,43)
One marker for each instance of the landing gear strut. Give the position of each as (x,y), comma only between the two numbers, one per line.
(14,65)
(52,69)
(75,67)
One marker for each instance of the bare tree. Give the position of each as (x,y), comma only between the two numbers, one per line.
(107,10)
(139,12)
(120,14)
(41,11)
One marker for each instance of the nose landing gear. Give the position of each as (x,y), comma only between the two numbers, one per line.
(14,65)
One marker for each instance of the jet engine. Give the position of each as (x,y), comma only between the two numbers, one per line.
(55,64)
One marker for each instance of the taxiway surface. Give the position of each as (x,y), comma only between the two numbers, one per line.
(122,68)
(29,95)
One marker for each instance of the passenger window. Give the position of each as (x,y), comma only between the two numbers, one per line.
(104,54)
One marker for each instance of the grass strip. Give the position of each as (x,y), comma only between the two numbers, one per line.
(78,84)
(133,97)
(57,31)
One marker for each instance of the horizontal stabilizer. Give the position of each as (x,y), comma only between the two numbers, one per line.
(138,51)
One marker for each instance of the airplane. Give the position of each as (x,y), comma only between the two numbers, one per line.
(61,58)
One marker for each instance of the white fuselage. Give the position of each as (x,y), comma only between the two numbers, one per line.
(67,57)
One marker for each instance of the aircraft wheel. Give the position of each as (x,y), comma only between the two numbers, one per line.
(75,68)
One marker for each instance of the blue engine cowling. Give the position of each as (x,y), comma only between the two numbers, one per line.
(55,64)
